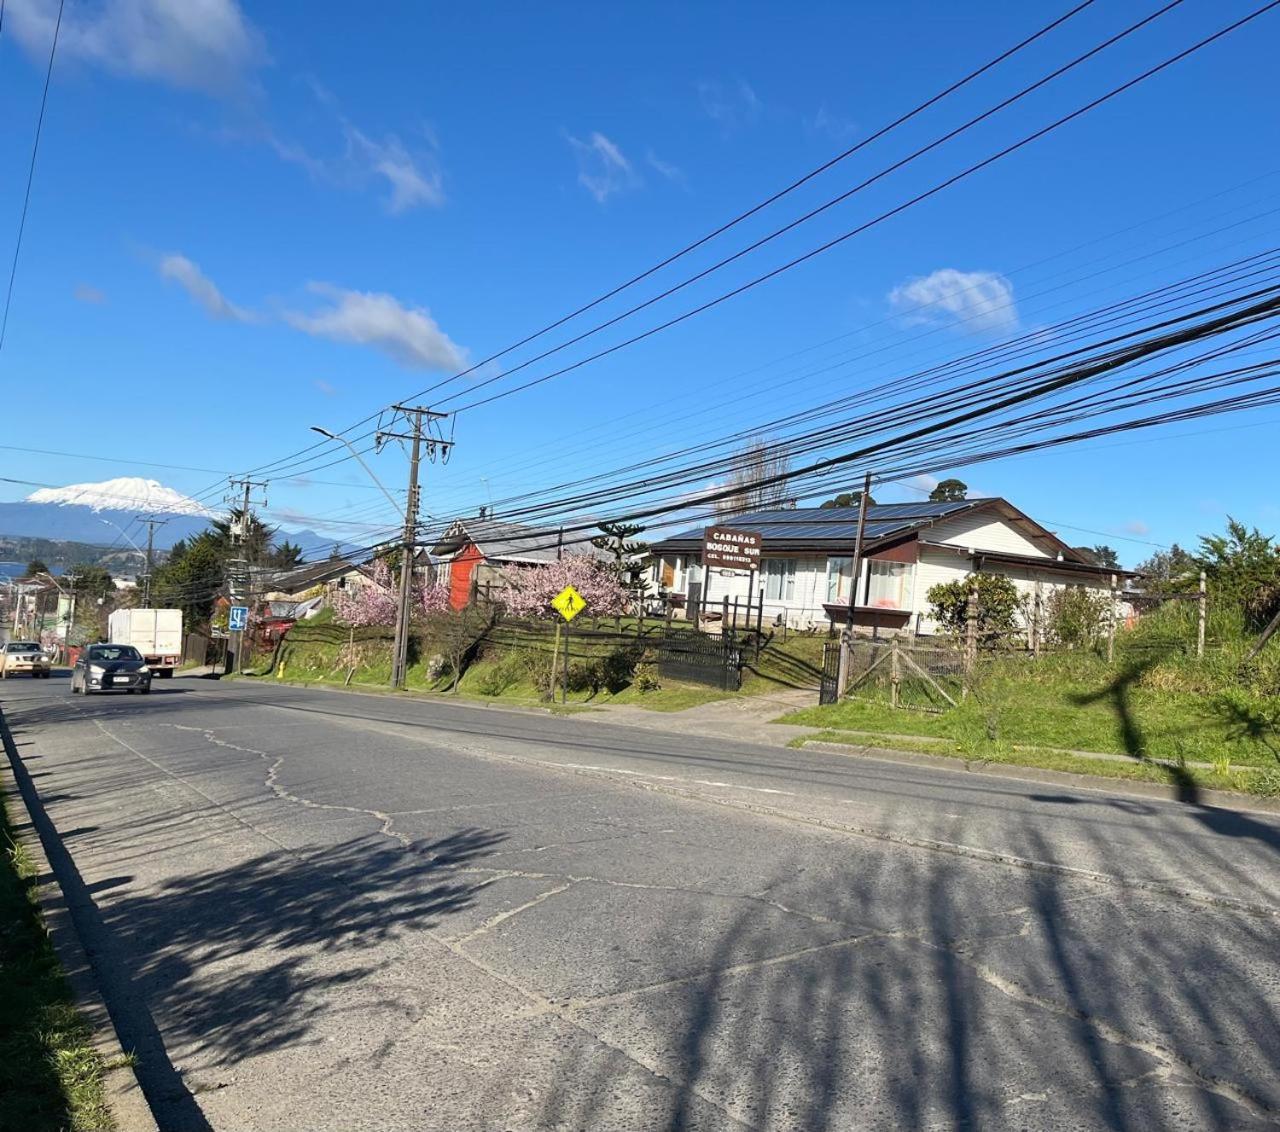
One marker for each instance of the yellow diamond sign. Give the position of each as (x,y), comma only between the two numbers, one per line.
(568,603)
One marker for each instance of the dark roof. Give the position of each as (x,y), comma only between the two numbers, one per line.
(304,577)
(815,527)
(500,541)
(809,525)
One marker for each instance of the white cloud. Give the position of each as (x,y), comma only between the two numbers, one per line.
(831,125)
(200,287)
(603,169)
(84,293)
(922,481)
(730,105)
(665,169)
(408,334)
(980,300)
(205,45)
(325,387)
(413,182)
(1137,527)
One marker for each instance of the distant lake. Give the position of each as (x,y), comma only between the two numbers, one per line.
(17,569)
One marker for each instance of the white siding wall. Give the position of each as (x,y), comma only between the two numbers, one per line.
(939,566)
(983,532)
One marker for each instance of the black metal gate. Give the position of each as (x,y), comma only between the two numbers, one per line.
(829,687)
(702,659)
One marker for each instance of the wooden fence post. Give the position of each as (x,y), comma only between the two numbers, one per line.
(1200,624)
(895,673)
(1037,615)
(1111,623)
(971,630)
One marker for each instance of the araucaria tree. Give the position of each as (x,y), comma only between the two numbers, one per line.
(529,589)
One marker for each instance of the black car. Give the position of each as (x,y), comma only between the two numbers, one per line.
(110,668)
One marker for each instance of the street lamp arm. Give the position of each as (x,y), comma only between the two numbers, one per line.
(368,470)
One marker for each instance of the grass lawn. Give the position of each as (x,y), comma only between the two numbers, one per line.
(322,654)
(1077,702)
(1264,783)
(50,1076)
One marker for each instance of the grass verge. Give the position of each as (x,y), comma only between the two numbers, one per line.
(1260,783)
(51,1077)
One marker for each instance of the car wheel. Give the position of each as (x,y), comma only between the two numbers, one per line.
(145,691)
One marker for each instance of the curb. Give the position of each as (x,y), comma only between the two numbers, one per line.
(120,1083)
(1219,799)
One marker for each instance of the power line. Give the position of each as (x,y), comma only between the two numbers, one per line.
(743,216)
(31,172)
(896,210)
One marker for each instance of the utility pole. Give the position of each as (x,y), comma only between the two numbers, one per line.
(846,638)
(152,522)
(416,436)
(238,574)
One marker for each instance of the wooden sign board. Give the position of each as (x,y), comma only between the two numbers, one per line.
(731,549)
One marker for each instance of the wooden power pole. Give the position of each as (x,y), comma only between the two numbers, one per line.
(417,437)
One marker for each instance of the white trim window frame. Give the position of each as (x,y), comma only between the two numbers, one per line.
(779,579)
(839,578)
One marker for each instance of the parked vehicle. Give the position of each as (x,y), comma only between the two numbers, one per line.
(25,656)
(110,668)
(155,633)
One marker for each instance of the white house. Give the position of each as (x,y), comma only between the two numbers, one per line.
(806,565)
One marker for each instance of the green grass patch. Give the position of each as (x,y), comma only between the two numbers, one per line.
(50,1075)
(1079,703)
(512,662)
(1263,783)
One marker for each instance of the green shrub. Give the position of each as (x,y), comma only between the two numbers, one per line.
(999,606)
(495,679)
(1075,617)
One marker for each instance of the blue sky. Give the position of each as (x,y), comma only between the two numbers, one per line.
(248,219)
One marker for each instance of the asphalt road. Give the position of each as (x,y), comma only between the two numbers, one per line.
(312,910)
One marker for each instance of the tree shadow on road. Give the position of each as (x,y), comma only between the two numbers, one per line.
(239,960)
(929,992)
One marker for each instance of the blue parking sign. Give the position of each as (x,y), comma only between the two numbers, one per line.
(238,619)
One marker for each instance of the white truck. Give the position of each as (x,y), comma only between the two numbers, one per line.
(156,633)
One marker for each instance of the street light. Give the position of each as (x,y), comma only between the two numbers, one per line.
(343,440)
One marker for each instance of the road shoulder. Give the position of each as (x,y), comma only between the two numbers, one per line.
(31,827)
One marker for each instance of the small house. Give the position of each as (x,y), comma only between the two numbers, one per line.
(806,577)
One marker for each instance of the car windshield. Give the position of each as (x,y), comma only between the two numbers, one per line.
(23,646)
(114,652)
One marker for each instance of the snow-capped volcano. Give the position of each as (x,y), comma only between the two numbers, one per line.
(126,493)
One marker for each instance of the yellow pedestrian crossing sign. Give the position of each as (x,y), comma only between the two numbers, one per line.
(568,603)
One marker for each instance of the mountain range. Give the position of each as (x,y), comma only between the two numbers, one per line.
(105,514)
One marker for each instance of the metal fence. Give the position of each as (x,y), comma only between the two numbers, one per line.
(701,658)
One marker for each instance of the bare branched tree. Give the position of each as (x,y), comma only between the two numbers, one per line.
(758,462)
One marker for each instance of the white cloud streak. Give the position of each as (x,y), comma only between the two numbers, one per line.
(672,173)
(204,45)
(178,269)
(413,182)
(732,106)
(84,293)
(1136,527)
(978,300)
(407,334)
(603,169)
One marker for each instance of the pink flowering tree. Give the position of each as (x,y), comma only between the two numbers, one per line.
(376,604)
(433,598)
(529,589)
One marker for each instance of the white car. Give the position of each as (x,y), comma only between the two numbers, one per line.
(25,657)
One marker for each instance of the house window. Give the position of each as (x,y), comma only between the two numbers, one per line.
(779,579)
(668,577)
(839,578)
(887,584)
